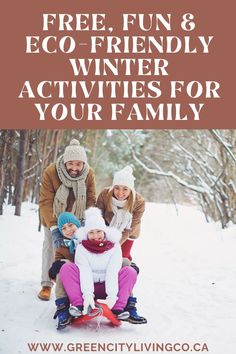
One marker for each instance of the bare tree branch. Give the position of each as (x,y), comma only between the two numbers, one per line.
(220,140)
(159,172)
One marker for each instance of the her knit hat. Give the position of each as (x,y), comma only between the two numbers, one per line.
(65,218)
(74,152)
(95,221)
(124,177)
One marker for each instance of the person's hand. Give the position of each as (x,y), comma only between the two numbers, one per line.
(110,301)
(125,235)
(88,304)
(57,238)
(55,269)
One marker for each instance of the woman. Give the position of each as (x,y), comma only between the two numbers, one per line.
(122,207)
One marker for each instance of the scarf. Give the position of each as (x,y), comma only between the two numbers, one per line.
(78,186)
(122,218)
(71,244)
(97,246)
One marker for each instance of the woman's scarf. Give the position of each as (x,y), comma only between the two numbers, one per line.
(122,218)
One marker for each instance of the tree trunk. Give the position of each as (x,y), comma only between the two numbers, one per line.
(3,150)
(58,140)
(20,170)
(28,161)
(231,179)
(10,168)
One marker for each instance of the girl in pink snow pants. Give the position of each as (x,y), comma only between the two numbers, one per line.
(97,272)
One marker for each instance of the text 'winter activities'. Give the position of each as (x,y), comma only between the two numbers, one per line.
(128,70)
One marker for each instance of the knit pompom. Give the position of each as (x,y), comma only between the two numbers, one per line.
(94,220)
(74,142)
(128,169)
(92,213)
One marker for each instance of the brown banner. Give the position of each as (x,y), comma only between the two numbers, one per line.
(117,64)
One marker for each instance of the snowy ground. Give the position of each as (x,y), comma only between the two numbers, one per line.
(186,288)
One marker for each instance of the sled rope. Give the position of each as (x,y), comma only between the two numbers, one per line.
(92,312)
(99,314)
(99,318)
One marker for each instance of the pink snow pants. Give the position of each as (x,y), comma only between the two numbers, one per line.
(70,277)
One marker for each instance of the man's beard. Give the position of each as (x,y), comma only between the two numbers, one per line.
(73,174)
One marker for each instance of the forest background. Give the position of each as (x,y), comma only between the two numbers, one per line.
(190,167)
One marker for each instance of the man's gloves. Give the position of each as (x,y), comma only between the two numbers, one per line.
(57,237)
(89,304)
(110,301)
(55,269)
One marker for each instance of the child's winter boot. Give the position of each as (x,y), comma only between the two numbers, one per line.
(133,314)
(62,312)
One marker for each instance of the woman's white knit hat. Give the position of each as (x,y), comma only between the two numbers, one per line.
(74,152)
(124,177)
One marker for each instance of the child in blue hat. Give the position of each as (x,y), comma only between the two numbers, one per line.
(68,225)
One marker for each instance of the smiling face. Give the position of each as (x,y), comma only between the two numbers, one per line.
(96,235)
(121,192)
(68,230)
(74,168)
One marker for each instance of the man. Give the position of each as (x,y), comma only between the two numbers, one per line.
(67,185)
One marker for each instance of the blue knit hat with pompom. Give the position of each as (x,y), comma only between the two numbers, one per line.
(65,218)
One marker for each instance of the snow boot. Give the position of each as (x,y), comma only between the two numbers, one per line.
(62,312)
(121,314)
(133,314)
(76,311)
(45,293)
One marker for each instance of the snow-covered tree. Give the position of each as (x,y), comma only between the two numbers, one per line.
(202,162)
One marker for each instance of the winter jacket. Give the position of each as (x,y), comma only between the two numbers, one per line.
(99,267)
(63,253)
(137,213)
(50,184)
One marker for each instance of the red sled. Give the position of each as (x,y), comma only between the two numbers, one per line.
(100,310)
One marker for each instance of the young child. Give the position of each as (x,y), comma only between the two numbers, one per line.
(97,272)
(68,224)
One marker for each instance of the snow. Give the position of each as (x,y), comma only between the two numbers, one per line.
(186,287)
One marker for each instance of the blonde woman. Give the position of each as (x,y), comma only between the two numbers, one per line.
(122,207)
